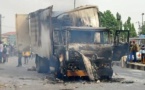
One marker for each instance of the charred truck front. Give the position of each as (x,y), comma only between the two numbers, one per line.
(84,51)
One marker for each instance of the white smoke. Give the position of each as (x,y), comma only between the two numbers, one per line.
(66,4)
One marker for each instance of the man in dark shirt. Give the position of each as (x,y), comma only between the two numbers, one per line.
(19,59)
(134,50)
(130,53)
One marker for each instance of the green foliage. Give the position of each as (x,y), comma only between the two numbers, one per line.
(130,26)
(143,30)
(108,20)
(119,22)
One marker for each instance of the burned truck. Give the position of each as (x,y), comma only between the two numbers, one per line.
(84,51)
(69,43)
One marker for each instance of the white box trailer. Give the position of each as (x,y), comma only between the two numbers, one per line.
(22,32)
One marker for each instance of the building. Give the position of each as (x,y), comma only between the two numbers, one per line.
(4,39)
(9,38)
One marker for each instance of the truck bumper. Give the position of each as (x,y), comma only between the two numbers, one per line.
(79,73)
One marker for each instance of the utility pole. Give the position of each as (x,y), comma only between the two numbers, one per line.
(0,26)
(142,20)
(74,4)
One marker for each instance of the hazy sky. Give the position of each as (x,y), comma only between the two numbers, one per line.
(8,8)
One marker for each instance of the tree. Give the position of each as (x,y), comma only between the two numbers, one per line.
(130,26)
(143,30)
(119,21)
(108,20)
(133,31)
(125,26)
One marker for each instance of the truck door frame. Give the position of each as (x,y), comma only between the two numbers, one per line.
(120,49)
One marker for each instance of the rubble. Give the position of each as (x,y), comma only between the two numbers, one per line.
(2,85)
(31,68)
(117,79)
(28,78)
(24,84)
(67,89)
(127,82)
(98,81)
(76,87)
(52,80)
(64,84)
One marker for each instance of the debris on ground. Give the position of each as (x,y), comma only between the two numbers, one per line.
(117,79)
(28,78)
(52,80)
(76,87)
(59,80)
(127,82)
(2,85)
(115,73)
(24,84)
(50,77)
(83,82)
(67,89)
(64,84)
(31,68)
(98,81)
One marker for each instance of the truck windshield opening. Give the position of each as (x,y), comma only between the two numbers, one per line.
(92,37)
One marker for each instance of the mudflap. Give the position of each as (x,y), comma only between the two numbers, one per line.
(54,65)
(88,67)
(42,65)
(94,74)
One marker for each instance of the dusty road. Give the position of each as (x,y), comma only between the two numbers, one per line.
(18,78)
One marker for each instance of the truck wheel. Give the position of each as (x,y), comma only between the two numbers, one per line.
(42,65)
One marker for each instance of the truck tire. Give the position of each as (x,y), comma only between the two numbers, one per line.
(42,65)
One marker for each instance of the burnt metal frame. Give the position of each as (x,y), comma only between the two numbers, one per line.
(91,29)
(118,32)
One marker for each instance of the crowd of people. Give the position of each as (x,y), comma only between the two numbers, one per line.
(26,55)
(5,52)
(134,48)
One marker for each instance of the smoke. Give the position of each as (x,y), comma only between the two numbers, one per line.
(65,4)
(27,6)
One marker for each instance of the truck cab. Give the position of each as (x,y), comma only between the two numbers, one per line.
(83,51)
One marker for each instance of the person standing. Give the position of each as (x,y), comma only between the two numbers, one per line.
(142,53)
(7,54)
(19,59)
(1,50)
(130,53)
(4,53)
(134,50)
(26,56)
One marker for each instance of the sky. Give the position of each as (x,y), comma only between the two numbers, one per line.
(8,9)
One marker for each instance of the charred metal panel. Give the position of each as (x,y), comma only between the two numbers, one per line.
(83,16)
(119,51)
(41,32)
(102,50)
(88,66)
(121,44)
(22,31)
